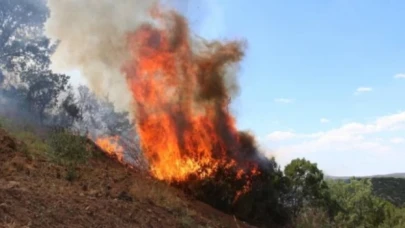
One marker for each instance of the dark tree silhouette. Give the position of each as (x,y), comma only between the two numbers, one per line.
(100,114)
(25,58)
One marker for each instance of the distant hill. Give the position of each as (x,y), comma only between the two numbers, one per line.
(394,175)
(390,187)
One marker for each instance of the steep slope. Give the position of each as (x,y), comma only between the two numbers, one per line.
(34,192)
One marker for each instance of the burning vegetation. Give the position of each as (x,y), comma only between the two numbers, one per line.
(181,100)
(111,146)
(158,100)
(181,87)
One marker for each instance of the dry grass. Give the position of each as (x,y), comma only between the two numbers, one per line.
(10,223)
(312,218)
(165,196)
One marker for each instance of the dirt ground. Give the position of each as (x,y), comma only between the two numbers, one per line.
(35,192)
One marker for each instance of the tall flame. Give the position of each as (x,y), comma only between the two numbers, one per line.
(182,98)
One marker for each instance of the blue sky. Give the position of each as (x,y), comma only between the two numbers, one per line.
(304,64)
(324,80)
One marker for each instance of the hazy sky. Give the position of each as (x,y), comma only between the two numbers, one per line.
(324,80)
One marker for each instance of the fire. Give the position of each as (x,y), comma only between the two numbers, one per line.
(181,99)
(248,177)
(111,146)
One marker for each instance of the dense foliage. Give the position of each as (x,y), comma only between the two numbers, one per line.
(361,208)
(390,188)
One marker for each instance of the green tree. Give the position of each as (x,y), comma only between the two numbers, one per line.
(307,187)
(394,216)
(360,208)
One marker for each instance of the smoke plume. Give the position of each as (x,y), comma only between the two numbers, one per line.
(92,36)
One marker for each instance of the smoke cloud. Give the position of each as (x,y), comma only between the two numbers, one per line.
(92,39)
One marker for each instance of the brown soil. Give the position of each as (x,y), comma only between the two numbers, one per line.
(36,193)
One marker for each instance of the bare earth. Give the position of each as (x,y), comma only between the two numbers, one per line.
(35,193)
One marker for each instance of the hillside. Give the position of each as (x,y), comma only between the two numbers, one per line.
(394,175)
(390,187)
(35,192)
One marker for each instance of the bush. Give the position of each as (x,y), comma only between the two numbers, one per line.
(258,205)
(394,216)
(68,149)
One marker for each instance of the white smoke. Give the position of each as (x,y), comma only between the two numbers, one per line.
(92,36)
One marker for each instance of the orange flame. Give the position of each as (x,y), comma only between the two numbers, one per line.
(111,146)
(247,187)
(181,99)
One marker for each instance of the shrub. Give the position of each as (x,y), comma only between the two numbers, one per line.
(68,149)
(394,216)
(258,205)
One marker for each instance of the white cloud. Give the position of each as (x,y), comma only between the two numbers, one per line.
(350,139)
(280,135)
(399,76)
(397,140)
(324,120)
(363,90)
(283,100)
